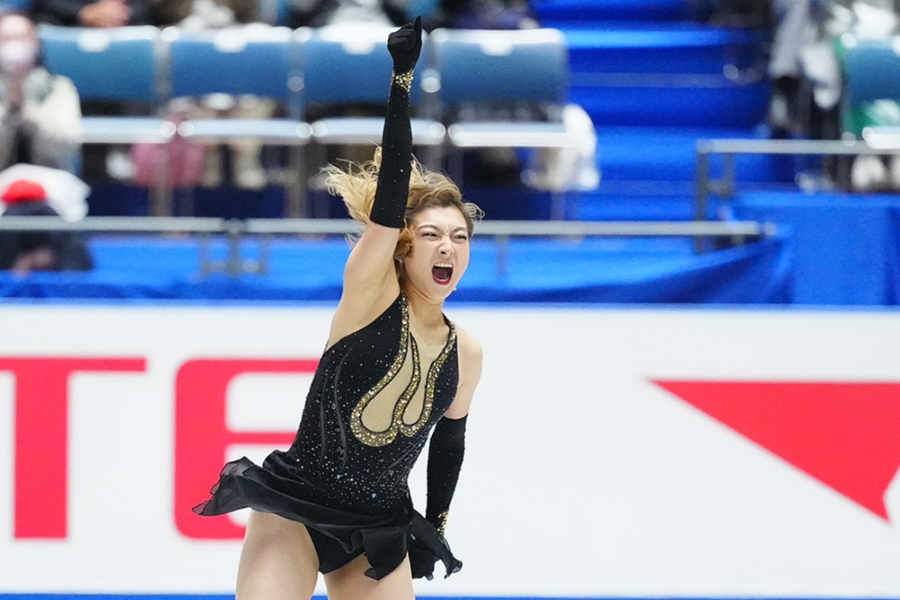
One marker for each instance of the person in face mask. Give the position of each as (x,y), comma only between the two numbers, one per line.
(40,114)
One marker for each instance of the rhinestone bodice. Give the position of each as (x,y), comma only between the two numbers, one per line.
(351,460)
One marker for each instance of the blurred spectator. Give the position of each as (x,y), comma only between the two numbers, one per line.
(486,14)
(40,117)
(25,252)
(805,70)
(204,14)
(100,161)
(91,13)
(502,166)
(245,156)
(350,13)
(567,169)
(246,164)
(794,30)
(873,20)
(317,13)
(802,55)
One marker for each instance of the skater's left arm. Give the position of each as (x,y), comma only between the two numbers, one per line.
(447,448)
(470,361)
(445,456)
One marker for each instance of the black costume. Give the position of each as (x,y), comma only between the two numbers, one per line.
(367,416)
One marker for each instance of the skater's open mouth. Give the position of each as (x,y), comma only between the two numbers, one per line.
(442,273)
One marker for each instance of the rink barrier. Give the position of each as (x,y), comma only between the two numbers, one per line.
(738,232)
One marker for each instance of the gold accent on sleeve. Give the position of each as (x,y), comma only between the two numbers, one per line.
(404,80)
(442,523)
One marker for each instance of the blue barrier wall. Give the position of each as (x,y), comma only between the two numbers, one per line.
(613,271)
(847,246)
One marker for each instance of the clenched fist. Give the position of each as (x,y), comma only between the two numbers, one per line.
(405,45)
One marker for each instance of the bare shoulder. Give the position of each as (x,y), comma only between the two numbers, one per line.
(370,281)
(470,362)
(471,354)
(358,309)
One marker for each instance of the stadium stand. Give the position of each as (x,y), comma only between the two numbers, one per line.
(656,81)
(111,64)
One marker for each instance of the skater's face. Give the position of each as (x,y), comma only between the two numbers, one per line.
(440,251)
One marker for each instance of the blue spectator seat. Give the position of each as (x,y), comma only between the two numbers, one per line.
(502,88)
(254,59)
(274,12)
(110,64)
(347,66)
(19,5)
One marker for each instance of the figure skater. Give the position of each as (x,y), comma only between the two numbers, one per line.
(394,368)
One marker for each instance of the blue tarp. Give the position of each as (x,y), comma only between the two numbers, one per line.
(847,246)
(592,270)
(598,10)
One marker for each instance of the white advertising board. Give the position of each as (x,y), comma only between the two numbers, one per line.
(609,452)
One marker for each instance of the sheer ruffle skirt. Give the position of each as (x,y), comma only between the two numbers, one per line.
(383,538)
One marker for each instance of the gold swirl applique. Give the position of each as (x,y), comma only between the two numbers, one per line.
(383,438)
(430,384)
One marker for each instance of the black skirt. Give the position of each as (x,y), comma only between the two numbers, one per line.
(338,535)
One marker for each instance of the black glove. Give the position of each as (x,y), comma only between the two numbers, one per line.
(421,560)
(422,557)
(445,458)
(392,193)
(405,45)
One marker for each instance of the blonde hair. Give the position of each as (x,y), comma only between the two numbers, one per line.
(356,186)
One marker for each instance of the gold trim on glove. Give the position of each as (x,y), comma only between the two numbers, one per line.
(442,523)
(404,80)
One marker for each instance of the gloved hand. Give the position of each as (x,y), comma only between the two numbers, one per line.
(421,560)
(405,45)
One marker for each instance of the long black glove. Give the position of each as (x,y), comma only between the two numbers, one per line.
(445,458)
(392,192)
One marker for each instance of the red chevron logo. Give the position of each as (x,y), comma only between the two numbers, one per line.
(846,435)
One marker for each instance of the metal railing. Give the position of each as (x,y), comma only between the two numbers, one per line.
(729,149)
(236,231)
